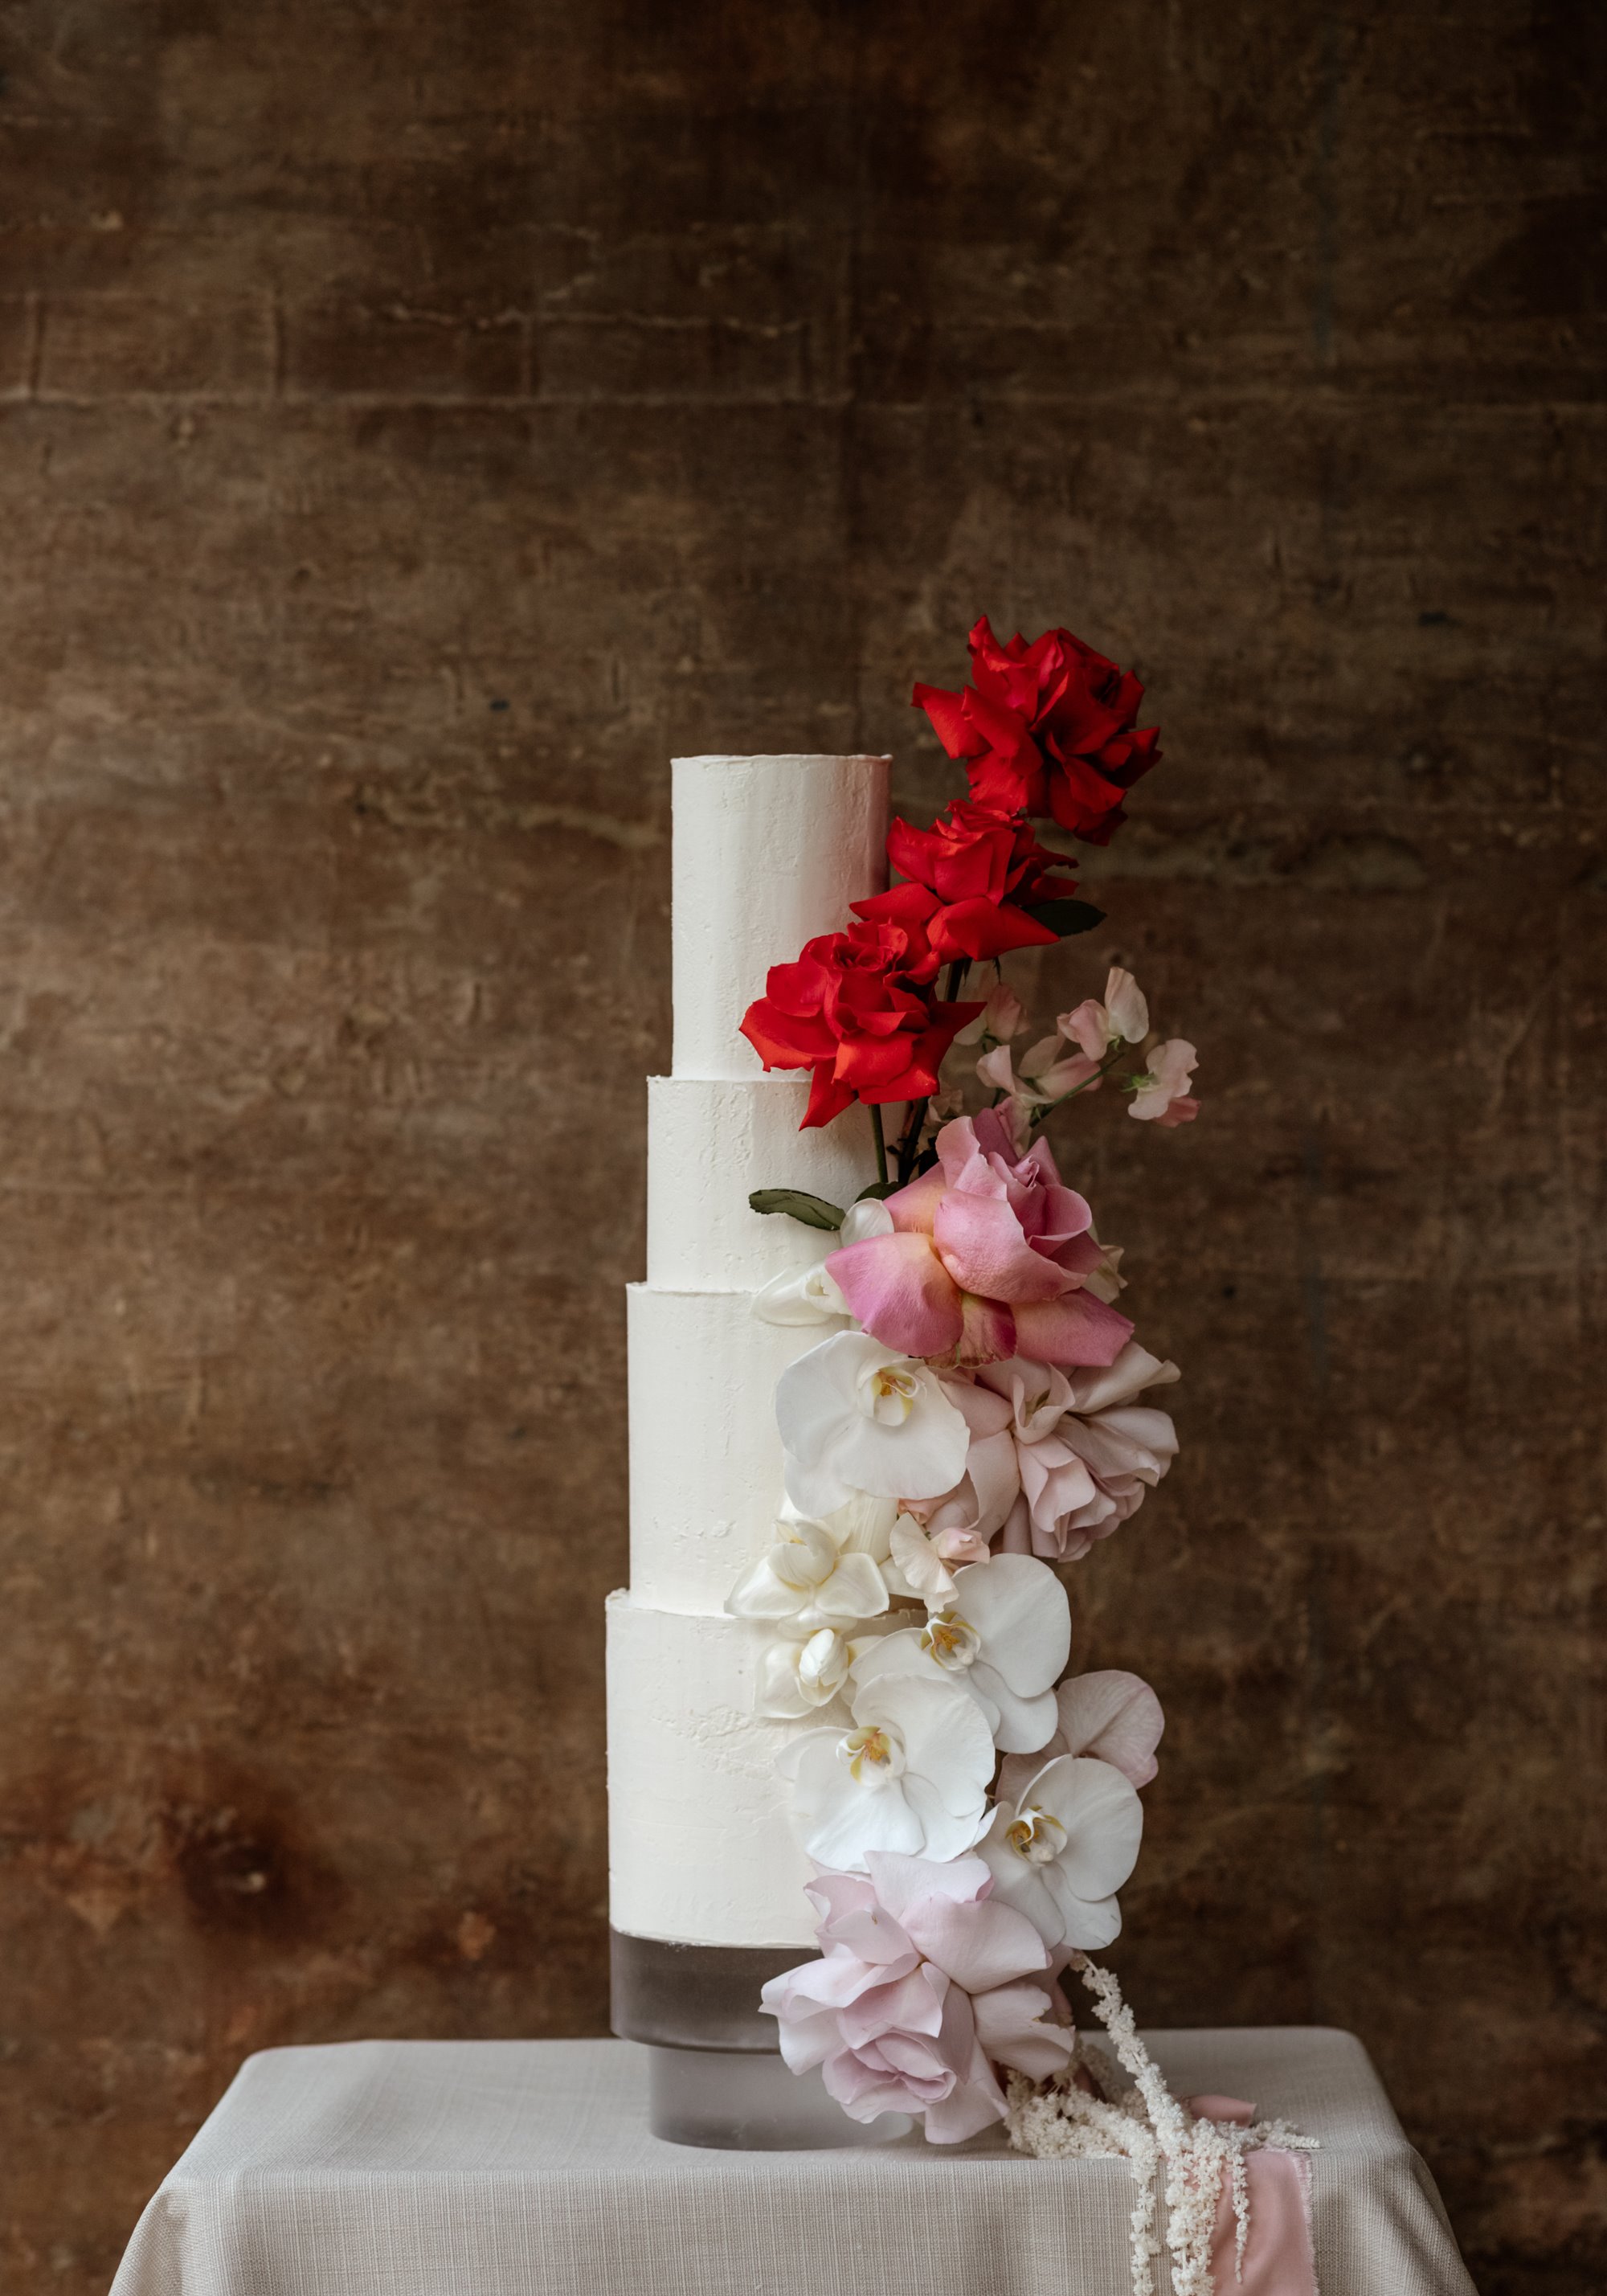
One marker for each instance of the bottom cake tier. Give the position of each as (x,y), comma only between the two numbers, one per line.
(701,1848)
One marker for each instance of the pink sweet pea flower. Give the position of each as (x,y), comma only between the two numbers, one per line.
(921,1992)
(987,1259)
(1163,1096)
(1003,1016)
(1124,1017)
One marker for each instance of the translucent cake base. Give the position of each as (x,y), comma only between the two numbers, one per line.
(746,2101)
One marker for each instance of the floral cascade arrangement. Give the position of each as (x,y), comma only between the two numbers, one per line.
(976,1417)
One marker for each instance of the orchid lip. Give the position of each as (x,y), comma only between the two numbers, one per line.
(952,1641)
(1035,1836)
(874,1756)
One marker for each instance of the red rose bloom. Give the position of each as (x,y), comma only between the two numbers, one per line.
(971,875)
(1049,728)
(851,1010)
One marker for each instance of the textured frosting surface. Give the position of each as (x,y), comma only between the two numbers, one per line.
(769,851)
(711,1141)
(705,1458)
(700,1845)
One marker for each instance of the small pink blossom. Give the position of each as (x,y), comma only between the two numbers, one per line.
(1003,1016)
(1163,1096)
(988,1257)
(1043,1081)
(923,1991)
(1123,1019)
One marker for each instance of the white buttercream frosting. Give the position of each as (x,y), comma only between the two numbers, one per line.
(705,1456)
(767,852)
(700,1843)
(711,1143)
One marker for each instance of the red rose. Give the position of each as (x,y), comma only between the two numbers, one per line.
(971,875)
(1047,728)
(851,1010)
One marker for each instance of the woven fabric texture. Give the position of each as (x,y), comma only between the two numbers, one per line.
(526,2169)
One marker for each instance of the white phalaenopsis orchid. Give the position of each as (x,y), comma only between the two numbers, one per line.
(809,1295)
(915,1567)
(807,1581)
(855,1417)
(1004,1637)
(799,1678)
(1123,1019)
(912,1775)
(1060,1852)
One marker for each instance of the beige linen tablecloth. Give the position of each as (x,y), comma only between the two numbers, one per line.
(526,2169)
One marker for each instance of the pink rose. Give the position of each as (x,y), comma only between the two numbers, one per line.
(1087,1452)
(920,1994)
(987,1259)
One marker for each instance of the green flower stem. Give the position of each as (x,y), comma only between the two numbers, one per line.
(909,1139)
(1116,1053)
(875,1115)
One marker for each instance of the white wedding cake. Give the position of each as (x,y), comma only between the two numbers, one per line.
(767,852)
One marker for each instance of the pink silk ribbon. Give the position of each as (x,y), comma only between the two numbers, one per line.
(1279,2259)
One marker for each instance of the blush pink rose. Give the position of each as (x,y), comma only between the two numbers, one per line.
(923,1989)
(987,1258)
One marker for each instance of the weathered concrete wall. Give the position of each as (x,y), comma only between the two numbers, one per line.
(418,422)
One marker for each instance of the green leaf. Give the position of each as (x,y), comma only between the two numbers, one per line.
(877,1190)
(814,1211)
(1068,917)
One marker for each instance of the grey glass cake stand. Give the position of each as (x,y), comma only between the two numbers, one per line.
(714,2074)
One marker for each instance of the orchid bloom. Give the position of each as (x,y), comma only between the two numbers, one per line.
(1059,1854)
(1123,1019)
(924,1982)
(808,1295)
(987,1258)
(808,1582)
(858,1417)
(1004,1637)
(1163,1096)
(1113,1716)
(912,1775)
(799,1678)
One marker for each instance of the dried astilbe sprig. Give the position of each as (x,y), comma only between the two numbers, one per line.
(1145,2125)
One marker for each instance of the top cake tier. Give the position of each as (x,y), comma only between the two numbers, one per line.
(767,852)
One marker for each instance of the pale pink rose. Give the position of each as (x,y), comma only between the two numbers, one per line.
(1163,1097)
(987,1259)
(921,1992)
(1086,1455)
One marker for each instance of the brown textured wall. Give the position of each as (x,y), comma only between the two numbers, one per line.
(419,420)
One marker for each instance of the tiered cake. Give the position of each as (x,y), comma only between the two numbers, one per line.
(767,852)
(883,1402)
